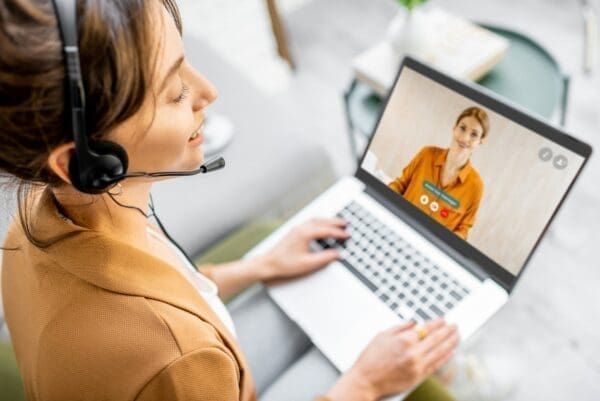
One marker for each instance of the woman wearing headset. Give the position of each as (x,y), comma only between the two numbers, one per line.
(99,303)
(442,182)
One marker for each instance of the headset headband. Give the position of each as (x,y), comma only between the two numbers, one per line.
(96,166)
(66,12)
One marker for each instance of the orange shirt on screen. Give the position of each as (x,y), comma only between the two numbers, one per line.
(455,205)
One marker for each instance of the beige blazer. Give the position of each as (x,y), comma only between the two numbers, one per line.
(92,318)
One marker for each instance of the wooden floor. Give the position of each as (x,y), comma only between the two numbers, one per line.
(548,334)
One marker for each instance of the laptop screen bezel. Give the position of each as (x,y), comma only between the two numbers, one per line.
(463,252)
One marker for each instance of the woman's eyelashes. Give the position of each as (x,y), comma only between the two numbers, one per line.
(185,90)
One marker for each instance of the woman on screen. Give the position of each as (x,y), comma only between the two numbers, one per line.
(442,182)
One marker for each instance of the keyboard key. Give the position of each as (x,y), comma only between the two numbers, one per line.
(422,314)
(436,311)
(389,266)
(456,295)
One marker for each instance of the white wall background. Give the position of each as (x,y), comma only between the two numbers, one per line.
(521,192)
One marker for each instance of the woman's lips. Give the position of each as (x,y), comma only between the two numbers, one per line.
(462,145)
(197,140)
(198,136)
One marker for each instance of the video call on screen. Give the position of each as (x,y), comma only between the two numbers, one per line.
(489,180)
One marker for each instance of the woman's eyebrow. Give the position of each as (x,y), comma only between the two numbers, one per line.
(171,71)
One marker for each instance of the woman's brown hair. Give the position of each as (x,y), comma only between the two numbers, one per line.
(117,60)
(480,115)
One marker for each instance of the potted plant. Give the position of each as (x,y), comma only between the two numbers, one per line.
(408,32)
(410,4)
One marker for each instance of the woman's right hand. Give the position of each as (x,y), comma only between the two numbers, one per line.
(395,360)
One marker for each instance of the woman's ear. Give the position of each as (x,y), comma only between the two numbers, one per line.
(58,160)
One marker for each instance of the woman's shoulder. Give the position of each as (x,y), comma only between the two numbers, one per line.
(476,181)
(108,334)
(129,322)
(430,152)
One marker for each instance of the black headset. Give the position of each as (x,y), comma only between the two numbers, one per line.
(96,166)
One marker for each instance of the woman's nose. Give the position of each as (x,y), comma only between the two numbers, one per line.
(207,93)
(464,137)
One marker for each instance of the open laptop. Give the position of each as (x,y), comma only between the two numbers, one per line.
(408,258)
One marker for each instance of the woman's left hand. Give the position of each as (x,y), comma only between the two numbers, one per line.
(292,256)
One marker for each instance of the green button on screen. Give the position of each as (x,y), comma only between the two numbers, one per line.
(441,194)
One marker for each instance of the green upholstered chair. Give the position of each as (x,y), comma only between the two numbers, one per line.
(11,386)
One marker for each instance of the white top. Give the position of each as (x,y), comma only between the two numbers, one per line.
(205,286)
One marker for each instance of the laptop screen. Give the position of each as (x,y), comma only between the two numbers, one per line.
(489,180)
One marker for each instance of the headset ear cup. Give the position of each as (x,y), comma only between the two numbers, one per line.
(106,162)
(119,164)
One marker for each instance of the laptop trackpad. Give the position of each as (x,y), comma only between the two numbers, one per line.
(337,312)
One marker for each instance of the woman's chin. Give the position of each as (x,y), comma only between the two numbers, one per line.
(461,150)
(197,158)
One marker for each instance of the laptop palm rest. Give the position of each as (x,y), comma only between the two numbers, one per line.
(336,311)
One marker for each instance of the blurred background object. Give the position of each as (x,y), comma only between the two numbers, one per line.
(249,34)
(591,36)
(218,133)
(279,32)
(409,32)
(493,56)
(447,41)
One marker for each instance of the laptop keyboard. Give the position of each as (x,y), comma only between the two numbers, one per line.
(404,279)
